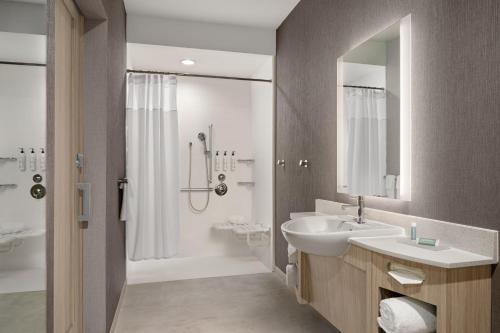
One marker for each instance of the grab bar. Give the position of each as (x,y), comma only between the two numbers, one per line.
(197,189)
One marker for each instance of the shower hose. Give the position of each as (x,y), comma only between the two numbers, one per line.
(193,208)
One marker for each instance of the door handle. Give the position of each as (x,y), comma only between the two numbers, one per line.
(84,189)
(304,163)
(280,163)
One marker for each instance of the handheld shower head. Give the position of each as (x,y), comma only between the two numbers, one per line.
(202,137)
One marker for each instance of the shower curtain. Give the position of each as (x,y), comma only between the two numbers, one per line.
(152,167)
(365,121)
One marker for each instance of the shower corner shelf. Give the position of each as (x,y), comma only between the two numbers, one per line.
(246,183)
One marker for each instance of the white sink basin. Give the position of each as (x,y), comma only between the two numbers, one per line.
(329,235)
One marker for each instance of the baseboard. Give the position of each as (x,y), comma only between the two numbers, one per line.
(118,308)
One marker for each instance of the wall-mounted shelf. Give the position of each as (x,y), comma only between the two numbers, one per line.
(7,186)
(245,160)
(8,159)
(246,183)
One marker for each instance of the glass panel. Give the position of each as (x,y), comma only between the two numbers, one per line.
(22,166)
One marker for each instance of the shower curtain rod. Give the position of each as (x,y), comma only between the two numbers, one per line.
(21,63)
(199,75)
(363,87)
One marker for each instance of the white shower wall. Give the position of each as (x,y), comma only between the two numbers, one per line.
(22,124)
(227,105)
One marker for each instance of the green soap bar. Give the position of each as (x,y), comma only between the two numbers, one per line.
(428,241)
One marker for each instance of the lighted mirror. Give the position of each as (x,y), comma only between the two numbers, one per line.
(374,115)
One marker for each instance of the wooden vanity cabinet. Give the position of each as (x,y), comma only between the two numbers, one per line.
(347,291)
(462,296)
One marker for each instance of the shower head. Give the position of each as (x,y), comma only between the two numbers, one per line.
(201,136)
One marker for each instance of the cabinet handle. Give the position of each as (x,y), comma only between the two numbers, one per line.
(280,163)
(84,188)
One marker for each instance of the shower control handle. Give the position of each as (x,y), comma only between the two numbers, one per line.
(280,163)
(304,163)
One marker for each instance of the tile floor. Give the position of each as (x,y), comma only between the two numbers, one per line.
(22,312)
(258,303)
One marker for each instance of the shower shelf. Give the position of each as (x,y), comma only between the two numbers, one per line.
(246,183)
(8,159)
(245,160)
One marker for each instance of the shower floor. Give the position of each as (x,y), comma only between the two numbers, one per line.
(12,281)
(174,269)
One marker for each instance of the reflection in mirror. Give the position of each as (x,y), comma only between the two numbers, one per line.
(370,116)
(22,155)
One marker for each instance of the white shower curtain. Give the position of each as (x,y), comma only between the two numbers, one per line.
(365,121)
(152,167)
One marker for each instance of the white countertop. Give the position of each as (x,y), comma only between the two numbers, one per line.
(441,256)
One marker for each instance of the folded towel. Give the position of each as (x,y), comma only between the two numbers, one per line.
(407,315)
(398,182)
(292,255)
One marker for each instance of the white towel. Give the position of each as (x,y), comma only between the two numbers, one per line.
(390,186)
(123,211)
(292,255)
(406,315)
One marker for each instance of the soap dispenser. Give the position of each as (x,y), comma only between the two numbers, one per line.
(224,161)
(32,159)
(233,161)
(22,160)
(41,160)
(217,161)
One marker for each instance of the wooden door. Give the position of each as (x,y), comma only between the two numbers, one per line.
(67,143)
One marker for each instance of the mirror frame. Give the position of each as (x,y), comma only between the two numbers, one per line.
(405,111)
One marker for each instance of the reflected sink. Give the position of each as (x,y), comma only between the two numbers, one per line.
(329,235)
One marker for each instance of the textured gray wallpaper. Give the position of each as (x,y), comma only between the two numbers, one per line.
(456,98)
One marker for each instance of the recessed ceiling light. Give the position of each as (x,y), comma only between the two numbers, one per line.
(188,62)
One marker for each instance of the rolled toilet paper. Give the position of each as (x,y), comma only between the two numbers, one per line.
(291,276)
(292,255)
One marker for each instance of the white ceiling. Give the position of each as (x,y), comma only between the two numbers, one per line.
(209,62)
(254,13)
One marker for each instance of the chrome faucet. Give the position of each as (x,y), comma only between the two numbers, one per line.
(361,207)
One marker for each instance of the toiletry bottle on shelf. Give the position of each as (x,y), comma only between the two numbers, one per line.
(22,159)
(224,161)
(233,161)
(41,159)
(413,231)
(32,159)
(217,161)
